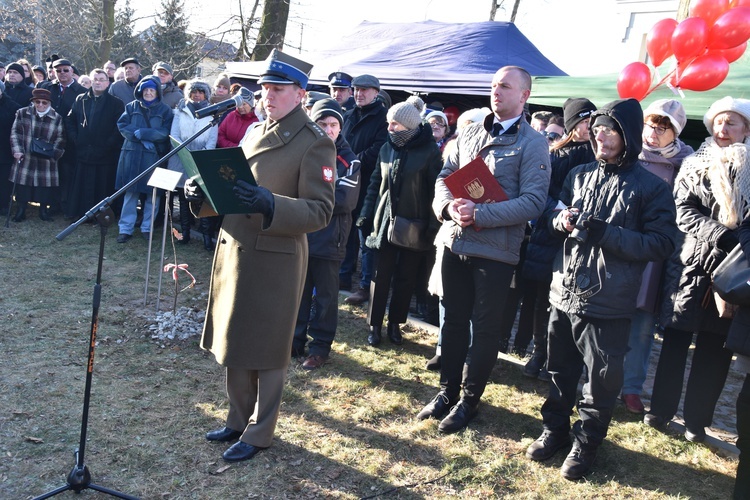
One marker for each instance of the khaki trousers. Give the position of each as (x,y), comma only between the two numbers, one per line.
(254,403)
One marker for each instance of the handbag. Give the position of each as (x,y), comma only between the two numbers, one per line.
(42,148)
(408,233)
(731,279)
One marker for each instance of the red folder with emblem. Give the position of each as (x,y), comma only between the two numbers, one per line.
(475,182)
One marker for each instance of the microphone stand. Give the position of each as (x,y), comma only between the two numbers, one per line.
(79,477)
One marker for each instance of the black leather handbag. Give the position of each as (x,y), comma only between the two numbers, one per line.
(731,280)
(42,148)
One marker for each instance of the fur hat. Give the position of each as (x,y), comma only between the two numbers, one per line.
(407,113)
(739,106)
(197,85)
(668,108)
(41,94)
(327,107)
(576,110)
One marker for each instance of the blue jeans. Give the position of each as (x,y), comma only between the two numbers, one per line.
(637,359)
(129,213)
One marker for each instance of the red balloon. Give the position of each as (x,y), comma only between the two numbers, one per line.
(708,10)
(659,41)
(689,38)
(731,29)
(704,73)
(739,3)
(634,81)
(732,54)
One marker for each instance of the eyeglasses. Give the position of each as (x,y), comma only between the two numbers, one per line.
(197,91)
(603,129)
(657,129)
(551,136)
(61,70)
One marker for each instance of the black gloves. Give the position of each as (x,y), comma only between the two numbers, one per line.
(258,199)
(365,224)
(193,191)
(728,241)
(596,228)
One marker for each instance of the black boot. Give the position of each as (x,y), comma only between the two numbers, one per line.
(207,229)
(394,333)
(538,354)
(375,335)
(44,213)
(20,213)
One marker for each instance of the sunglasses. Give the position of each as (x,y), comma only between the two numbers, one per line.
(61,70)
(551,136)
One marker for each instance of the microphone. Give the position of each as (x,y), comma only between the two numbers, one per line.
(219,107)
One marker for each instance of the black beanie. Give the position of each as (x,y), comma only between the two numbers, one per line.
(16,67)
(327,107)
(575,110)
(607,121)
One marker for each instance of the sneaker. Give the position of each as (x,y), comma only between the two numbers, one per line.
(314,361)
(438,407)
(578,462)
(655,421)
(547,445)
(633,403)
(359,297)
(459,417)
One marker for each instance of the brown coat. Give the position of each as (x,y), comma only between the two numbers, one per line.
(259,273)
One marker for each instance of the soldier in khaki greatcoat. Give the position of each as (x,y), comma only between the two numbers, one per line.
(261,257)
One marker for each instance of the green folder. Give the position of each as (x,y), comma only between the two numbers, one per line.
(216,171)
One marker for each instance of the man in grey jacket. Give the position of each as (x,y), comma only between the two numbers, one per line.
(619,216)
(482,243)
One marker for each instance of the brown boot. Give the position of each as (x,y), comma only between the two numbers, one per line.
(359,297)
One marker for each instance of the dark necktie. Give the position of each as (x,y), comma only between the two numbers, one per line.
(496,129)
(62,90)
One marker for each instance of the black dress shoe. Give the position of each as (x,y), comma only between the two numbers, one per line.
(434,364)
(223,435)
(547,445)
(240,451)
(394,333)
(459,417)
(438,407)
(44,213)
(20,213)
(375,335)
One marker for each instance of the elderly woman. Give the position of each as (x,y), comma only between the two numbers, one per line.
(37,142)
(185,125)
(712,194)
(145,125)
(662,154)
(440,127)
(403,184)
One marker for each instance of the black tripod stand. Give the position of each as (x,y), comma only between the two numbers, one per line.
(79,477)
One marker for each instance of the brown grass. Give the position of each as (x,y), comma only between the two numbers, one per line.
(346,430)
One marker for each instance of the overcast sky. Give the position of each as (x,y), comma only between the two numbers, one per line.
(561,29)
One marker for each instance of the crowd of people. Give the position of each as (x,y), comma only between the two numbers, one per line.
(609,236)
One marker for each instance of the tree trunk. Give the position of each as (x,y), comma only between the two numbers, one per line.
(515,11)
(107,33)
(682,10)
(272,28)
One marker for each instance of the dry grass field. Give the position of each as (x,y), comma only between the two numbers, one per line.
(346,431)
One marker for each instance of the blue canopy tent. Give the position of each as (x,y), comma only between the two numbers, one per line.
(425,57)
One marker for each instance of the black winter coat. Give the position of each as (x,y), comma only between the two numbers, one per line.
(413,170)
(366,130)
(92,126)
(19,92)
(8,108)
(602,279)
(330,242)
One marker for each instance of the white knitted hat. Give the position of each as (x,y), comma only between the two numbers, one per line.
(739,106)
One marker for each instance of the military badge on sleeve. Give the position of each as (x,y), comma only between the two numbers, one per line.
(328,174)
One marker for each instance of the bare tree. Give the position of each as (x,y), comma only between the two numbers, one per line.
(496,4)
(272,28)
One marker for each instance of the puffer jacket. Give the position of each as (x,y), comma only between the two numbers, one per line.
(602,279)
(185,125)
(154,123)
(519,160)
(688,303)
(405,180)
(330,242)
